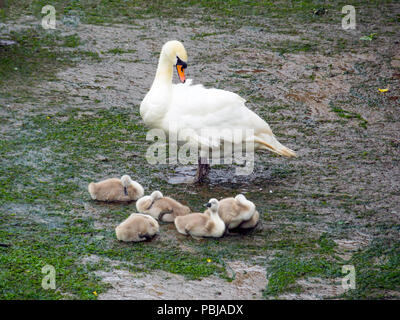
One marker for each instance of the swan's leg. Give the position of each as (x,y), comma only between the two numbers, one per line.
(203,169)
(199,172)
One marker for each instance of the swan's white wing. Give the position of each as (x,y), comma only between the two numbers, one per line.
(196,99)
(201,109)
(213,116)
(197,107)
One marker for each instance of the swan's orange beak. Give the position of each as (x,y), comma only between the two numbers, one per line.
(180,67)
(181,72)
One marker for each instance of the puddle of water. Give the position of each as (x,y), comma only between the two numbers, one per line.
(224,177)
(184,175)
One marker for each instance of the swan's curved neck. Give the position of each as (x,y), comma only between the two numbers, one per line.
(164,72)
(156,102)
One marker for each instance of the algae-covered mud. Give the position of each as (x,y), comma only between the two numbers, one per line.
(69,115)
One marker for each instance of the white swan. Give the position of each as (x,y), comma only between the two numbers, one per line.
(175,108)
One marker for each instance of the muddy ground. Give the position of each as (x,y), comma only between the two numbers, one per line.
(69,105)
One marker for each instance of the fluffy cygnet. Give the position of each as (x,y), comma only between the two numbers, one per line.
(238,212)
(252,223)
(201,224)
(138,227)
(124,189)
(162,208)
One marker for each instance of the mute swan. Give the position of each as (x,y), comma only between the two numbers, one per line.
(178,107)
(124,189)
(201,224)
(162,208)
(235,211)
(137,227)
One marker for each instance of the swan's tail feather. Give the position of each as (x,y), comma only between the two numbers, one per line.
(275,146)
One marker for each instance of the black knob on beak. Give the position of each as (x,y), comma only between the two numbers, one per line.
(181,63)
(208,205)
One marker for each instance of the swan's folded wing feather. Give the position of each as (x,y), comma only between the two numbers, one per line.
(208,112)
(198,100)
